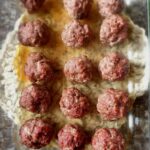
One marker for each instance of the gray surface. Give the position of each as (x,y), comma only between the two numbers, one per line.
(9,12)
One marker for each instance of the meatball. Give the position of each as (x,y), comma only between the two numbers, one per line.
(73,103)
(79,69)
(76,34)
(113,104)
(108,139)
(70,137)
(109,7)
(36,133)
(33,5)
(34,33)
(114,30)
(114,66)
(38,68)
(35,98)
(78,9)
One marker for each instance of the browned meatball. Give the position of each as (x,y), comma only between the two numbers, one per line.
(34,33)
(35,98)
(109,7)
(36,133)
(70,137)
(38,68)
(79,69)
(113,104)
(73,103)
(108,139)
(78,9)
(76,34)
(114,30)
(33,5)
(114,66)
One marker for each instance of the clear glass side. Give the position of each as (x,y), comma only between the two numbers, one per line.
(138,125)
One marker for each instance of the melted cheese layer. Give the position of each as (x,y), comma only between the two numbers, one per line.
(133,48)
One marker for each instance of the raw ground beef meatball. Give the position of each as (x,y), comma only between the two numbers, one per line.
(35,98)
(79,69)
(78,9)
(70,137)
(73,103)
(109,7)
(114,66)
(33,33)
(33,5)
(38,68)
(114,30)
(76,34)
(36,133)
(113,104)
(108,139)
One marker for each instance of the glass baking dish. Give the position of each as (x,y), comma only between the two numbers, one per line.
(138,125)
